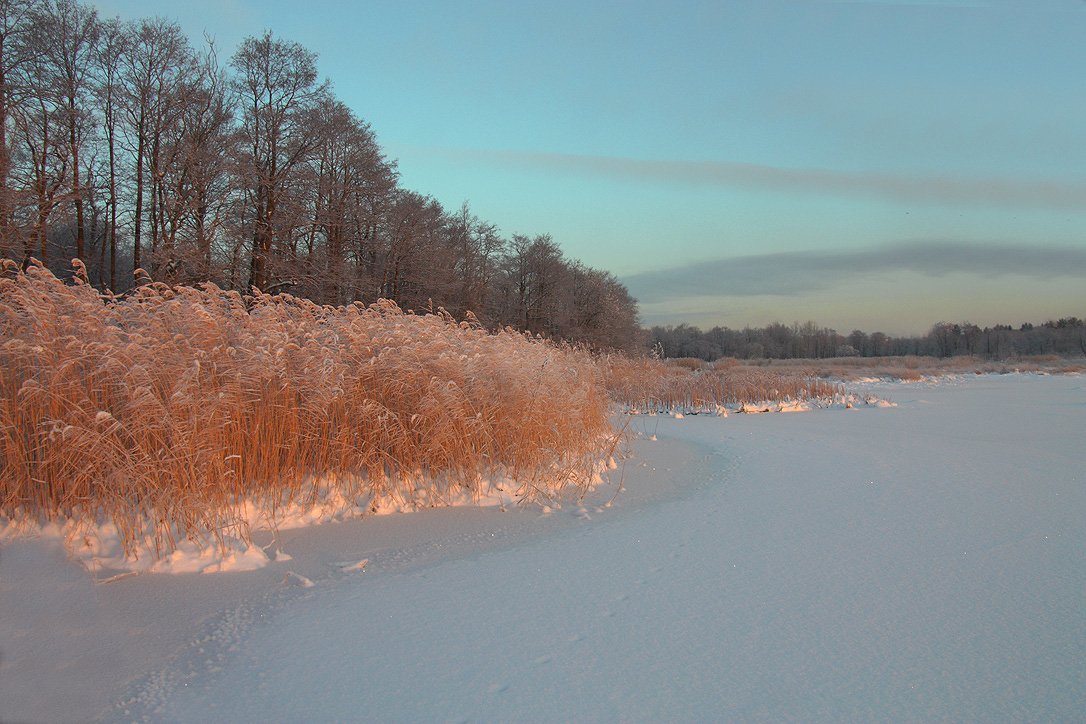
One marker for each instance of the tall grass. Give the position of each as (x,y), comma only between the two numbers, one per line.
(650,385)
(167,408)
(913,368)
(643,385)
(167,411)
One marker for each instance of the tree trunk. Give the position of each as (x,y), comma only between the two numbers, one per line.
(262,240)
(139,194)
(112,211)
(77,192)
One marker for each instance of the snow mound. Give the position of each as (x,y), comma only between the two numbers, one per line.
(99,548)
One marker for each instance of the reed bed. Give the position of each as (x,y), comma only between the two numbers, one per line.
(912,368)
(649,385)
(170,411)
(165,410)
(644,385)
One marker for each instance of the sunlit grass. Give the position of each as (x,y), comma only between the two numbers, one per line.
(912,368)
(651,385)
(164,410)
(169,411)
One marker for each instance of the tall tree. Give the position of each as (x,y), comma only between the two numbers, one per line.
(277,89)
(200,180)
(14,52)
(254,173)
(413,265)
(157,57)
(112,44)
(603,315)
(476,246)
(40,122)
(66,33)
(349,175)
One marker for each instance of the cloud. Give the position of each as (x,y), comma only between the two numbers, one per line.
(801,272)
(1069,195)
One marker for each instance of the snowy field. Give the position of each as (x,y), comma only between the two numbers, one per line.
(922,562)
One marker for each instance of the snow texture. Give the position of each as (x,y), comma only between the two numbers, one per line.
(99,546)
(923,562)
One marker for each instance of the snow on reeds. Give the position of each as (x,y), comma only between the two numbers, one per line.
(912,368)
(166,411)
(649,385)
(646,385)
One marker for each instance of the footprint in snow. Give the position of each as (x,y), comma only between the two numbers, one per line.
(352,567)
(296,579)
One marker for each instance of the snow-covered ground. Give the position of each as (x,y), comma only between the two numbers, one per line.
(921,562)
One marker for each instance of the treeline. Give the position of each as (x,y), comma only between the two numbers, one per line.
(1066,337)
(125,146)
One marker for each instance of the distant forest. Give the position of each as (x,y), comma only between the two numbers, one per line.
(1066,337)
(126,146)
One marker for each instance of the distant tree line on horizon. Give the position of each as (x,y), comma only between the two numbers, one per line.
(125,146)
(1065,337)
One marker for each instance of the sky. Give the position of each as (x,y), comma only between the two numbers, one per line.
(866,164)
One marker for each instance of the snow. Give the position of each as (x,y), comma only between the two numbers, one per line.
(919,562)
(98,544)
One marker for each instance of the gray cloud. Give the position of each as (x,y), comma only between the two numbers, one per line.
(800,272)
(926,189)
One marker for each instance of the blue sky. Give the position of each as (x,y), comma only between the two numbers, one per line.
(873,164)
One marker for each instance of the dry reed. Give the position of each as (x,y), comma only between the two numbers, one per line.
(164,410)
(912,368)
(648,385)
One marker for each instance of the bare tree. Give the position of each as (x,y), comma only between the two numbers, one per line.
(190,167)
(253,171)
(348,173)
(476,245)
(277,90)
(202,181)
(602,315)
(43,155)
(156,60)
(112,44)
(14,52)
(65,35)
(413,265)
(535,278)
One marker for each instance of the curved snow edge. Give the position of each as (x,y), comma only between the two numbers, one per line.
(98,546)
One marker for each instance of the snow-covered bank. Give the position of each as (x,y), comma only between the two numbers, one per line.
(922,562)
(99,544)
